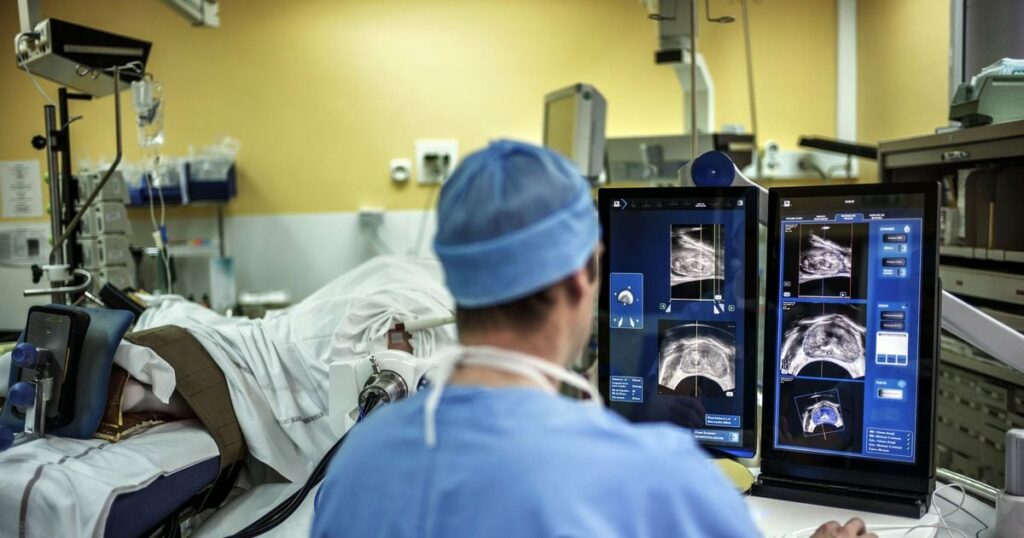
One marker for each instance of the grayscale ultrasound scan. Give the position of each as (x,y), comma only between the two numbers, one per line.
(823,340)
(697,358)
(825,260)
(697,262)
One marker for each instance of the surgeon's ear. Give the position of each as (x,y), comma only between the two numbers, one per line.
(576,285)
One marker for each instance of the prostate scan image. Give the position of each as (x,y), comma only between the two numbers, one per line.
(696,350)
(697,264)
(832,338)
(824,259)
(822,413)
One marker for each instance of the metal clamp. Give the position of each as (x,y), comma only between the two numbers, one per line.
(65,289)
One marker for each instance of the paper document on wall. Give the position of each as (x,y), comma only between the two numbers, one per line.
(24,244)
(21,189)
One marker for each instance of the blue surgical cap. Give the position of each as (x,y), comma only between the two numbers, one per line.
(512,219)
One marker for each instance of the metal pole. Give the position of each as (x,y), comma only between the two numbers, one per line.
(28,15)
(693,80)
(56,205)
(750,84)
(974,487)
(73,224)
(220,231)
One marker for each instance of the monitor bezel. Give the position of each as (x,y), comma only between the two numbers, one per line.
(917,477)
(748,447)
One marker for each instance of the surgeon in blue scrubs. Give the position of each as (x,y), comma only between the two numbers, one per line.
(492,449)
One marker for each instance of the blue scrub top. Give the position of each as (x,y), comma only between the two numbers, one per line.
(520,462)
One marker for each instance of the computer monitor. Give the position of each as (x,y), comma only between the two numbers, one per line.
(677,326)
(851,344)
(574,119)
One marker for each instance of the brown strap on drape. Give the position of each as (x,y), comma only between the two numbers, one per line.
(201,383)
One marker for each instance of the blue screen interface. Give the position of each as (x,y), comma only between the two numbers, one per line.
(676,319)
(846,365)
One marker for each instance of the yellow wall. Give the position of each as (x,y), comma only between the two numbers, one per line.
(794,50)
(322,94)
(902,72)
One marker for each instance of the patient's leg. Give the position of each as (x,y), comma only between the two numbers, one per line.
(138,398)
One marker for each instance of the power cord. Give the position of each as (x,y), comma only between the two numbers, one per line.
(24,65)
(984,526)
(418,249)
(442,173)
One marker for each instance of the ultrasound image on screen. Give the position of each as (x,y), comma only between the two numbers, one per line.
(821,414)
(825,260)
(697,263)
(823,340)
(697,358)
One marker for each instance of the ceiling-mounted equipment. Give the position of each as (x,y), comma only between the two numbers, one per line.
(80,57)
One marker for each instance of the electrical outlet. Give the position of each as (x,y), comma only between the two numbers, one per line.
(435,159)
(400,169)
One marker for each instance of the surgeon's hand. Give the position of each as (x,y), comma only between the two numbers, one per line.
(854,527)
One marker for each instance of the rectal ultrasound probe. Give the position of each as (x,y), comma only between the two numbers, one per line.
(851,340)
(678,311)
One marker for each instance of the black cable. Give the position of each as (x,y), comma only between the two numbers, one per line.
(286,508)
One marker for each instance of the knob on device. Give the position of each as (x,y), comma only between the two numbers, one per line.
(25,355)
(22,394)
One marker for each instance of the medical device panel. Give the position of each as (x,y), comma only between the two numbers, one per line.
(52,341)
(678,313)
(574,124)
(851,336)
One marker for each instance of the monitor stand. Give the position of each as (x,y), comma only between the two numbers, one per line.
(854,498)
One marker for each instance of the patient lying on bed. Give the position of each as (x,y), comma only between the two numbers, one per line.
(275,371)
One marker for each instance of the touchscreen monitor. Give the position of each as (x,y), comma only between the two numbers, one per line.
(850,334)
(678,313)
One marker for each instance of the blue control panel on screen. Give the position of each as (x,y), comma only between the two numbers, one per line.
(849,301)
(676,283)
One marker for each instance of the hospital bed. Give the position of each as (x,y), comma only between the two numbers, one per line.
(276,370)
(71,487)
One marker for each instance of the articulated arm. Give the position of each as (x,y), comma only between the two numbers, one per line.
(982,331)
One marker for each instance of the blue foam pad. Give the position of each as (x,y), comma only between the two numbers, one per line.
(106,328)
(134,513)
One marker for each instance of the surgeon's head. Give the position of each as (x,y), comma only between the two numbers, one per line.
(518,237)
